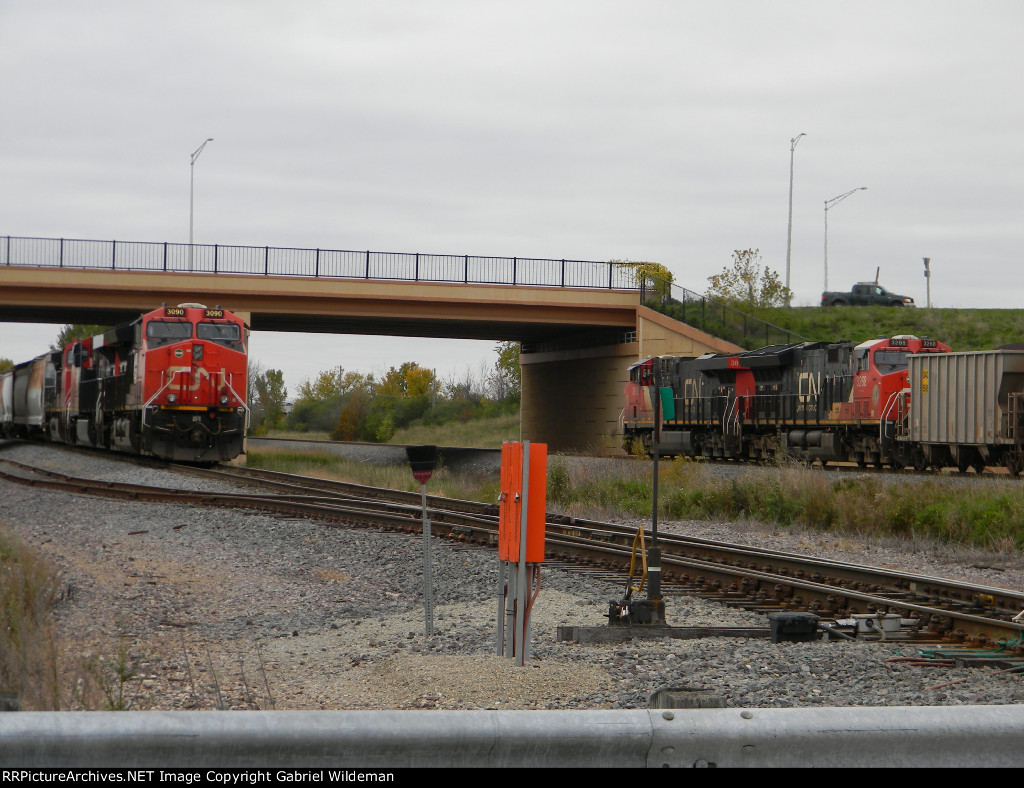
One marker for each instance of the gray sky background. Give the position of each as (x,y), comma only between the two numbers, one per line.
(581,129)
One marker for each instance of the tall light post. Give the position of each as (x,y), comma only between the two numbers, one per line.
(789,233)
(829,204)
(191,196)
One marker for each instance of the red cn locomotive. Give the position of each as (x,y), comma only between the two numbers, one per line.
(818,400)
(171,383)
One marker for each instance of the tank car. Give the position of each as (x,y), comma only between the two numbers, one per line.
(826,401)
(171,383)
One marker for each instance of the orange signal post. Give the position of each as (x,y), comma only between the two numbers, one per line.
(521,518)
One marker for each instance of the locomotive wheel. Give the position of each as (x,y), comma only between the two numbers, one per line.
(1014,462)
(979,466)
(858,457)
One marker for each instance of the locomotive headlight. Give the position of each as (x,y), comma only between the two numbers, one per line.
(224,399)
(172,398)
(197,352)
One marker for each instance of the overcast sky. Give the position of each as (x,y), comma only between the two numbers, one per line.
(576,129)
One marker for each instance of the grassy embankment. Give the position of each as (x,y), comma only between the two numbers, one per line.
(39,672)
(961,329)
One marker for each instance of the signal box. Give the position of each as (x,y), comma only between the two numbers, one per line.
(510,502)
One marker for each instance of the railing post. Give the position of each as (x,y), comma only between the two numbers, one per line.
(8,250)
(316,270)
(465,269)
(417,266)
(165,255)
(367,264)
(61,264)
(266,260)
(216,247)
(113,255)
(563,273)
(610,270)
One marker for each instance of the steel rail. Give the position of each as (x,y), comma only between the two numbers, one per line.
(1001,602)
(749,587)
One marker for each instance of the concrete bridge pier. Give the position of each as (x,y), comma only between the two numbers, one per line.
(572,398)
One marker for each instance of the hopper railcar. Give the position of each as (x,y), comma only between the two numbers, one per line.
(171,383)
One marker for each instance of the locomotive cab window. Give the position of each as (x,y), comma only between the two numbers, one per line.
(163,332)
(226,334)
(890,360)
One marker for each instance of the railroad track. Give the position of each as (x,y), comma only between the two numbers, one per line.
(931,608)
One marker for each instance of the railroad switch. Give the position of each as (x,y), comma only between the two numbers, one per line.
(636,611)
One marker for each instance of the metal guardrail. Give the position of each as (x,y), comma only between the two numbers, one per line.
(932,736)
(706,314)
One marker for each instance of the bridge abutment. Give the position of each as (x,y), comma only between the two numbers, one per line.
(572,398)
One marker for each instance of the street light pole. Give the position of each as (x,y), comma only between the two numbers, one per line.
(789,233)
(928,276)
(829,204)
(191,196)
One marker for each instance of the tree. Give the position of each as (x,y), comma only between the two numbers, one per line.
(75,331)
(267,395)
(408,380)
(747,282)
(5,364)
(507,378)
(649,276)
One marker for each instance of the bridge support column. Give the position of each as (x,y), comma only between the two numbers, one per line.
(571,399)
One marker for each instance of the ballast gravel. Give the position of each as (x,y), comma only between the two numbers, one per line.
(231,609)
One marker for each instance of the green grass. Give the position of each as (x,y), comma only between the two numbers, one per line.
(325,465)
(961,329)
(485,433)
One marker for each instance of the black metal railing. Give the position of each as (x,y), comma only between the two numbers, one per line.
(711,316)
(684,305)
(349,264)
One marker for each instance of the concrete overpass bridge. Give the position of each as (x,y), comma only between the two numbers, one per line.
(581,323)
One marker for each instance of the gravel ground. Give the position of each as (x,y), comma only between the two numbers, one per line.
(229,609)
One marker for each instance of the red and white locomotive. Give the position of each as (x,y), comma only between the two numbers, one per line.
(171,383)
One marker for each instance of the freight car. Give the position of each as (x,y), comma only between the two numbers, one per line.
(171,383)
(831,402)
(966,409)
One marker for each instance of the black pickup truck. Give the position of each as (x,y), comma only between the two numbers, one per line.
(865,294)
